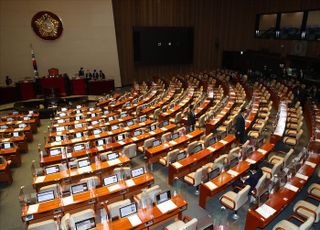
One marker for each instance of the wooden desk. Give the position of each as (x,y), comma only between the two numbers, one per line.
(47,160)
(177,108)
(5,173)
(220,117)
(61,205)
(218,184)
(199,110)
(144,100)
(72,175)
(155,153)
(283,197)
(149,222)
(12,154)
(20,141)
(281,125)
(252,115)
(27,131)
(118,104)
(196,160)
(103,102)
(31,122)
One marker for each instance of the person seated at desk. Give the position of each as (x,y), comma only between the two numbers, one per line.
(252,178)
(102,75)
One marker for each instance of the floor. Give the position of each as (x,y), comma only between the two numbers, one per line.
(10,209)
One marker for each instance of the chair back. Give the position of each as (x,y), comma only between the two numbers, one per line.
(172,155)
(148,143)
(114,208)
(47,224)
(122,172)
(198,176)
(191,225)
(307,224)
(166,137)
(92,181)
(242,197)
(130,150)
(191,146)
(80,216)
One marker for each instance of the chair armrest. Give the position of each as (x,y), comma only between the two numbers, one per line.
(186,219)
(274,159)
(296,217)
(315,188)
(307,209)
(227,198)
(190,178)
(314,197)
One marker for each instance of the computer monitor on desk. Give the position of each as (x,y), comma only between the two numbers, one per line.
(55,152)
(120,137)
(114,127)
(137,172)
(156,143)
(128,210)
(100,142)
(60,128)
(175,135)
(110,180)
(79,135)
(129,123)
(7,145)
(233,162)
(15,134)
(123,114)
(143,118)
(78,188)
(78,126)
(45,196)
(52,169)
(181,155)
(197,148)
(112,156)
(137,132)
(163,197)
(213,174)
(97,131)
(83,163)
(79,147)
(153,127)
(86,224)
(58,138)
(110,118)
(164,123)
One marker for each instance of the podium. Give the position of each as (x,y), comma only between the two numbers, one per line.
(79,86)
(26,90)
(100,87)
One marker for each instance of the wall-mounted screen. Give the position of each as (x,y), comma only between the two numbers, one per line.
(290,25)
(163,45)
(313,25)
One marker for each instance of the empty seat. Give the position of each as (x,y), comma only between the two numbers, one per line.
(130,150)
(171,157)
(113,208)
(152,192)
(92,181)
(285,224)
(307,209)
(274,170)
(69,221)
(146,144)
(185,225)
(47,224)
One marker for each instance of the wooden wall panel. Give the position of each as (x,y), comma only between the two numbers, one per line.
(218,25)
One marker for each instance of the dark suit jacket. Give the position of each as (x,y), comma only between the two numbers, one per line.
(191,118)
(254,178)
(240,128)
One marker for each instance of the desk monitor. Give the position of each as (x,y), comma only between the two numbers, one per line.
(223,134)
(181,155)
(112,156)
(83,163)
(22,125)
(120,137)
(94,122)
(78,147)
(197,148)
(234,162)
(110,180)
(58,138)
(97,131)
(165,123)
(129,123)
(110,118)
(153,127)
(211,141)
(175,135)
(100,142)
(152,103)
(143,118)
(79,135)
(213,174)
(122,115)
(114,127)
(86,224)
(164,110)
(15,134)
(247,151)
(55,152)
(62,114)
(137,132)
(52,169)
(6,145)
(63,109)
(3,127)
(78,107)
(163,197)
(9,119)
(91,109)
(77,188)
(93,115)
(27,118)
(78,126)
(15,112)
(106,112)
(45,196)
(128,210)
(60,121)
(60,128)
(137,172)
(156,143)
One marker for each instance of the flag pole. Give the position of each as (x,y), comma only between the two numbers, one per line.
(34,63)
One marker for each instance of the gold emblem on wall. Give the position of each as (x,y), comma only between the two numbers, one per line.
(47,25)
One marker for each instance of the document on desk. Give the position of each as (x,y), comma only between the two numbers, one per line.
(301,176)
(121,142)
(97,136)
(173,143)
(291,187)
(189,136)
(223,142)
(177,165)
(262,151)
(134,220)
(126,128)
(232,173)
(130,183)
(152,133)
(57,143)
(166,206)
(114,187)
(250,161)
(76,140)
(134,139)
(313,165)
(40,179)
(67,200)
(114,162)
(265,210)
(211,185)
(86,169)
(211,149)
(164,129)
(33,209)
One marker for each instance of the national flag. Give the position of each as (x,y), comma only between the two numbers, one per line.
(34,63)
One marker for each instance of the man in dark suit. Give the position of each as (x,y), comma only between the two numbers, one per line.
(191,119)
(252,178)
(240,128)
(95,75)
